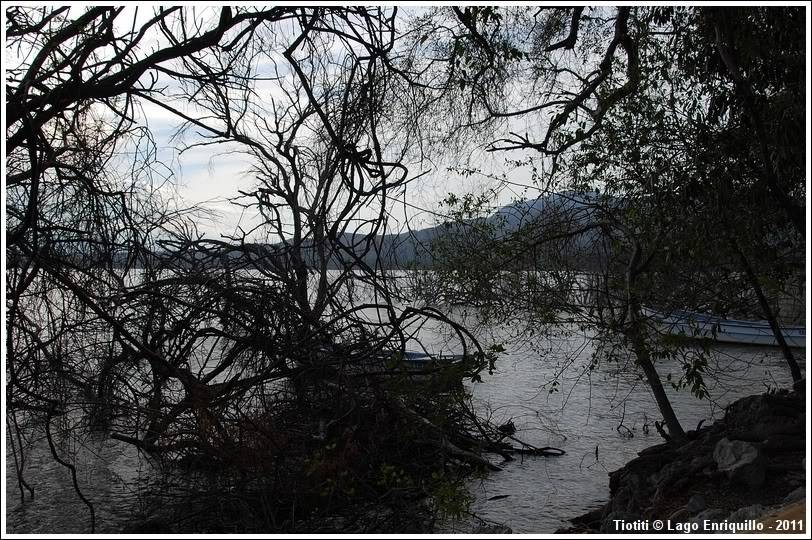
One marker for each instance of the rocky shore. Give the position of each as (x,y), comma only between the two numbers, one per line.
(742,469)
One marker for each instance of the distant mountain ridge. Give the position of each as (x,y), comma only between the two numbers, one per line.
(413,248)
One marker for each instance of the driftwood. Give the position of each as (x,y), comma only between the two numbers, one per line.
(530,450)
(440,440)
(463,455)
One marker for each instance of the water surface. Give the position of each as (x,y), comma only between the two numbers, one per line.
(600,417)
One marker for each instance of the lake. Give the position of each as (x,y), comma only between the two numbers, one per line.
(600,417)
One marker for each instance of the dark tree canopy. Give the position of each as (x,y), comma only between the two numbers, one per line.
(277,355)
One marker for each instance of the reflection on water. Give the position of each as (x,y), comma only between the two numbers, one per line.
(602,418)
(111,474)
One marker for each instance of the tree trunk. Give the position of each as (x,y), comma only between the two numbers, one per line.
(769,315)
(634,332)
(643,354)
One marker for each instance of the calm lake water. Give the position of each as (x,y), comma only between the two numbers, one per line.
(601,418)
(601,421)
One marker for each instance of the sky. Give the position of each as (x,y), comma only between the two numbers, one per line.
(208,176)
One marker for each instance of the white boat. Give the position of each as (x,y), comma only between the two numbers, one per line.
(420,360)
(720,329)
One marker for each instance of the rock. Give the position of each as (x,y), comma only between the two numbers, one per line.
(776,426)
(714,515)
(690,447)
(744,411)
(679,515)
(681,483)
(754,511)
(627,497)
(797,494)
(695,504)
(757,417)
(794,479)
(782,443)
(728,454)
(591,519)
(741,461)
(668,475)
(655,449)
(727,462)
(700,462)
(608,525)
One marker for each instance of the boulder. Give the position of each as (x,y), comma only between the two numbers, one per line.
(695,504)
(754,511)
(609,525)
(798,494)
(758,417)
(680,515)
(714,515)
(668,475)
(727,462)
(741,461)
(630,494)
(590,520)
(699,463)
(794,479)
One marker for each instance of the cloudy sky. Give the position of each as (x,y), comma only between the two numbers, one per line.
(209,175)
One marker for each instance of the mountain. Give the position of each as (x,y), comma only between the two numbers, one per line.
(554,213)
(558,212)
(569,204)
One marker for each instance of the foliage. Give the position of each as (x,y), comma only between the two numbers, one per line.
(243,354)
(671,130)
(671,137)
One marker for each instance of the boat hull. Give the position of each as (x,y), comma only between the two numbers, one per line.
(744,332)
(419,360)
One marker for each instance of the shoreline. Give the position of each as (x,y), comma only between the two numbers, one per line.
(746,470)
